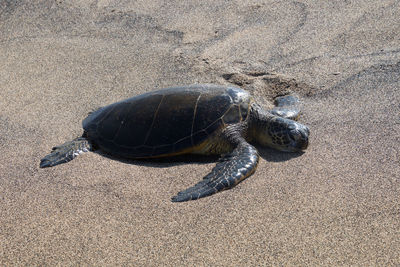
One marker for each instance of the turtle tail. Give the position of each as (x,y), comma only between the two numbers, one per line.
(66,152)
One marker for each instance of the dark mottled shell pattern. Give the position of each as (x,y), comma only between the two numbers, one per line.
(167,121)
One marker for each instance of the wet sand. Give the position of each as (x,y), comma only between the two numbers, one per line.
(338,204)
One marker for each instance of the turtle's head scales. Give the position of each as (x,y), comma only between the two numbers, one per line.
(282,134)
(298,137)
(289,136)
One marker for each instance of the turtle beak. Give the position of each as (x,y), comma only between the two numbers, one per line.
(299,137)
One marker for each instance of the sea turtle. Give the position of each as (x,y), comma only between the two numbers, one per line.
(198,119)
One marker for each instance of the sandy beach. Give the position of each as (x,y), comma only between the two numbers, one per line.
(338,204)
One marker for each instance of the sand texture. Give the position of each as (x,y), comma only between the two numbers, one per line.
(338,204)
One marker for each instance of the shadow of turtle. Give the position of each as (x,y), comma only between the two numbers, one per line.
(164,162)
(273,155)
(267,154)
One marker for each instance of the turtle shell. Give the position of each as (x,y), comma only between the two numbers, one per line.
(167,121)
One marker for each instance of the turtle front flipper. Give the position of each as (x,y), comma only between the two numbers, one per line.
(66,152)
(287,106)
(231,170)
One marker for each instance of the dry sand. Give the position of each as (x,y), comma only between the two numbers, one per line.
(336,205)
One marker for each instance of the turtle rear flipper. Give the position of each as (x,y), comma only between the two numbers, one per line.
(66,152)
(231,170)
(287,106)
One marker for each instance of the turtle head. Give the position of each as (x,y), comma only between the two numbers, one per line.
(282,134)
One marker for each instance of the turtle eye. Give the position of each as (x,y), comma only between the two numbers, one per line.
(292,126)
(294,135)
